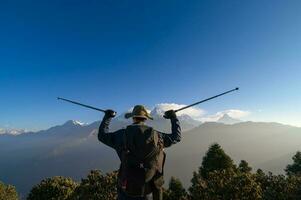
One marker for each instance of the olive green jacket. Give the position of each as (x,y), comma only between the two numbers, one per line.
(115,139)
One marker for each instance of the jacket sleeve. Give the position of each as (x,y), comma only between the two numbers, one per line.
(175,136)
(112,139)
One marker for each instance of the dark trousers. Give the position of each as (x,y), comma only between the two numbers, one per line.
(123,196)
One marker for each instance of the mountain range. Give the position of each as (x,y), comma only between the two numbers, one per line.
(72,149)
(11,131)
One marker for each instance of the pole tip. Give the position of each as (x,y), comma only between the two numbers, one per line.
(237,88)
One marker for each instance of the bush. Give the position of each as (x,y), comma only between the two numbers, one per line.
(97,186)
(225,184)
(8,192)
(56,188)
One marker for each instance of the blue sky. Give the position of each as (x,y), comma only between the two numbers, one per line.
(115,54)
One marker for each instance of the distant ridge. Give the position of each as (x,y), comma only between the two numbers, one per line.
(72,149)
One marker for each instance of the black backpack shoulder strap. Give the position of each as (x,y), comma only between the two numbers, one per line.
(125,140)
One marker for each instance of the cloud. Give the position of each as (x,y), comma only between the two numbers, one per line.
(234,113)
(193,112)
(197,113)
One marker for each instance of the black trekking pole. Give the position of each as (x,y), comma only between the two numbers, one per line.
(80,104)
(206,99)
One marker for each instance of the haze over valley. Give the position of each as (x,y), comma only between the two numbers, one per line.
(72,149)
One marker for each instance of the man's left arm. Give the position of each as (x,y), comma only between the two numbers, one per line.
(175,136)
(106,137)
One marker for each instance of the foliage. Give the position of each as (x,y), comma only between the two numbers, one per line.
(56,188)
(97,186)
(175,191)
(8,192)
(225,184)
(244,186)
(217,179)
(279,187)
(215,160)
(295,168)
(244,167)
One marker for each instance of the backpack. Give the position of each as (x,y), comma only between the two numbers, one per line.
(142,161)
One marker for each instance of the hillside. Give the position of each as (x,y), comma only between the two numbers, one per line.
(72,150)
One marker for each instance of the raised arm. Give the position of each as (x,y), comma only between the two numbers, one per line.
(109,138)
(175,136)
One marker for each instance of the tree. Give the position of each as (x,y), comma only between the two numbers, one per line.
(276,187)
(197,188)
(8,192)
(295,168)
(244,167)
(175,190)
(295,182)
(244,186)
(215,160)
(279,187)
(58,187)
(97,186)
(225,184)
(260,178)
(218,178)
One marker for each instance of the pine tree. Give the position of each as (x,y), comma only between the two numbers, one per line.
(175,190)
(215,160)
(295,168)
(197,188)
(218,178)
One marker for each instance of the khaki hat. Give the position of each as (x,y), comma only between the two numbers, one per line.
(138,111)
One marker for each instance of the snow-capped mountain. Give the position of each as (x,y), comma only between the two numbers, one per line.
(11,131)
(226,119)
(186,118)
(74,123)
(157,112)
(159,123)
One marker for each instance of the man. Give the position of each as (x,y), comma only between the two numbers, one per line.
(140,149)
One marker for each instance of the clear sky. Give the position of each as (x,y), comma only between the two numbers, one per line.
(115,54)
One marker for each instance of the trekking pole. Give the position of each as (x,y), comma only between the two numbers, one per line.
(80,104)
(206,99)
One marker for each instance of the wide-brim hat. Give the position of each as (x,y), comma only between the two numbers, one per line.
(138,111)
